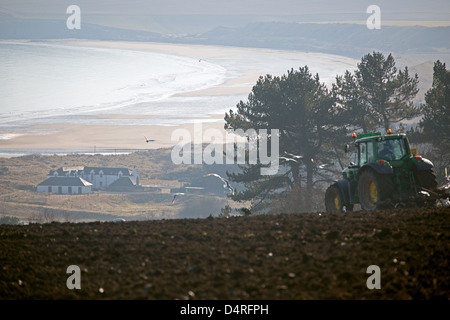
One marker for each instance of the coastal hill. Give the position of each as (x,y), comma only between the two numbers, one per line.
(353,40)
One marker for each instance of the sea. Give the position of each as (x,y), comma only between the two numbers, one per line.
(45,83)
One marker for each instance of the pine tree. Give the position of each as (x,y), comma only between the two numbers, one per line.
(436,110)
(300,107)
(377,94)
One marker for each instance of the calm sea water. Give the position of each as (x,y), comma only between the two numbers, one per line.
(44,81)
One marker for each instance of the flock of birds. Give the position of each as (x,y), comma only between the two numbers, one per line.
(289,157)
(295,158)
(227,186)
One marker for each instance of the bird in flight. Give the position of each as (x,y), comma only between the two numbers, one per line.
(226,183)
(294,156)
(291,157)
(147,140)
(176,195)
(446,185)
(288,159)
(319,166)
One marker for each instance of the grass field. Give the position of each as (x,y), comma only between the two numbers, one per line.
(20,175)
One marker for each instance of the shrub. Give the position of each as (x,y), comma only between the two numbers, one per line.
(9,220)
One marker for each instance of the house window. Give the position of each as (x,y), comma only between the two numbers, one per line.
(101,174)
(79,190)
(49,189)
(59,190)
(70,190)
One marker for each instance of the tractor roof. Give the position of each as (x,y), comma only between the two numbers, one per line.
(374,136)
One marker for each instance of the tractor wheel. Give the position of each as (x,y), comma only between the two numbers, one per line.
(426,179)
(334,202)
(374,190)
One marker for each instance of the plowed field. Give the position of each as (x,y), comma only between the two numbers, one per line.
(285,257)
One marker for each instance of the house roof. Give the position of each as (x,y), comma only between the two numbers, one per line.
(65,182)
(107,171)
(76,171)
(67,171)
(122,182)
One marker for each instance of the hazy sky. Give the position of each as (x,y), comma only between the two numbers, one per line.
(439,9)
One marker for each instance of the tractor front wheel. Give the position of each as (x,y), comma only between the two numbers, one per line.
(374,190)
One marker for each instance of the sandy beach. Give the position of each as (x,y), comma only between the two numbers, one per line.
(98,138)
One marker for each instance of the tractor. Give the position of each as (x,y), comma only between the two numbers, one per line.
(387,173)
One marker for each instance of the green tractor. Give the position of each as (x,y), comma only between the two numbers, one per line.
(387,173)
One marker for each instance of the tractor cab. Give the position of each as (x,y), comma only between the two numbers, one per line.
(377,149)
(384,170)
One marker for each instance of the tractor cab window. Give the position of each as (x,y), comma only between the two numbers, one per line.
(370,157)
(366,153)
(393,149)
(362,154)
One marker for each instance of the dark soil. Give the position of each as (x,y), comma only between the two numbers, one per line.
(285,257)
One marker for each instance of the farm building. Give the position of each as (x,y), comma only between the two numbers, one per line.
(100,177)
(65,185)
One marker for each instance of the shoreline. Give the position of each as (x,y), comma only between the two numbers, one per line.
(85,138)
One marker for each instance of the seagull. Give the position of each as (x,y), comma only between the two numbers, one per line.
(447,178)
(288,159)
(319,166)
(226,184)
(147,140)
(446,202)
(175,195)
(293,155)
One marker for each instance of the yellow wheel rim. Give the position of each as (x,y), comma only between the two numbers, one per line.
(372,193)
(337,203)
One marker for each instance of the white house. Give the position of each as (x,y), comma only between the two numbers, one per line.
(103,177)
(99,177)
(65,185)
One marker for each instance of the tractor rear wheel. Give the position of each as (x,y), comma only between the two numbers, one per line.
(374,190)
(426,179)
(334,201)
